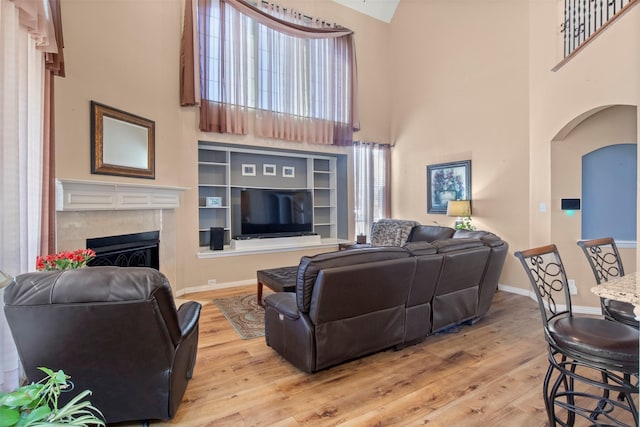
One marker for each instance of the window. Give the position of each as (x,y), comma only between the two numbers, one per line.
(296,75)
(372,171)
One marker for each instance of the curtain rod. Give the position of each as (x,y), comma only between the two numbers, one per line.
(310,18)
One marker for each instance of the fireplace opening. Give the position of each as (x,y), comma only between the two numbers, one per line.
(127,250)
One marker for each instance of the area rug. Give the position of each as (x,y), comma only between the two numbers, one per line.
(244,314)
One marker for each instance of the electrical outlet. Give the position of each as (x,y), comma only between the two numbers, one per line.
(211,282)
(572,287)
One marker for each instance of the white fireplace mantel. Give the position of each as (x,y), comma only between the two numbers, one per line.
(78,195)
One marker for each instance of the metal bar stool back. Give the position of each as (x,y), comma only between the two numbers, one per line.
(606,263)
(590,359)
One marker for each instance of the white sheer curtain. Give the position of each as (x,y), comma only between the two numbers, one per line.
(371,165)
(21,136)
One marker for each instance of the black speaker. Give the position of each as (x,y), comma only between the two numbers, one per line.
(216,242)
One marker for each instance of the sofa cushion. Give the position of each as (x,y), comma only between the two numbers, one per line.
(468,234)
(420,248)
(486,237)
(310,266)
(429,233)
(450,245)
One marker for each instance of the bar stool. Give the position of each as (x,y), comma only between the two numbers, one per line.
(589,358)
(605,262)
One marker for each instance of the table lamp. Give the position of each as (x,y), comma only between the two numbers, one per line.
(5,279)
(460,209)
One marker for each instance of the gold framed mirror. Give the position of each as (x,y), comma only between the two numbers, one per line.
(122,144)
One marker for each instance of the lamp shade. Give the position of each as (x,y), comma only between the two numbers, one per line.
(5,279)
(459,208)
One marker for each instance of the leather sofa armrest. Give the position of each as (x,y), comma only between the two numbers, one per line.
(188,316)
(284,303)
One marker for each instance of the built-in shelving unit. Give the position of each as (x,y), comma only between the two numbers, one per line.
(214,197)
(222,175)
(324,196)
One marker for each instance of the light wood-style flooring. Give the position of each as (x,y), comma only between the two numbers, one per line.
(488,374)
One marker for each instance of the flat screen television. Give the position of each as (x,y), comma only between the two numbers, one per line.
(275,213)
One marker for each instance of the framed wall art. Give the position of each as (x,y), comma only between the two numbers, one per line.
(447,181)
(248,170)
(268,170)
(288,171)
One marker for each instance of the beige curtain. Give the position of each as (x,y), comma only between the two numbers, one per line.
(189,58)
(372,171)
(287,106)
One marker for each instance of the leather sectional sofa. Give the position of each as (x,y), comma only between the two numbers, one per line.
(351,303)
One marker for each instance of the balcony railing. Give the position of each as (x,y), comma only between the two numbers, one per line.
(583,19)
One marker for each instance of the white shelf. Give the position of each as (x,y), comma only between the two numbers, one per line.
(213,163)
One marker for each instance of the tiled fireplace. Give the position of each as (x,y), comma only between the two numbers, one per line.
(92,209)
(127,250)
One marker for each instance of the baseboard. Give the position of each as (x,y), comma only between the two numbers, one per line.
(193,289)
(519,291)
(581,309)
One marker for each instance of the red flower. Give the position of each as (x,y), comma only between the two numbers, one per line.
(65,260)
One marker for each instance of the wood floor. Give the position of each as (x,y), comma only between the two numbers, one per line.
(488,374)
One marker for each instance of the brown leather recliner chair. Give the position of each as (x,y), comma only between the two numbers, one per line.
(114,330)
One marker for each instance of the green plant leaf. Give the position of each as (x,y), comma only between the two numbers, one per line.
(47,371)
(8,417)
(61,377)
(17,399)
(39,414)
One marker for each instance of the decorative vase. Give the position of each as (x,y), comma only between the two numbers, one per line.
(446,196)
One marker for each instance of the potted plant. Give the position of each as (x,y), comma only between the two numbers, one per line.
(464,224)
(36,404)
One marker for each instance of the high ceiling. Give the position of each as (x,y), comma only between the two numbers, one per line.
(379,9)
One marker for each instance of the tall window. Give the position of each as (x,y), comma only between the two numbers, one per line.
(372,178)
(295,74)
